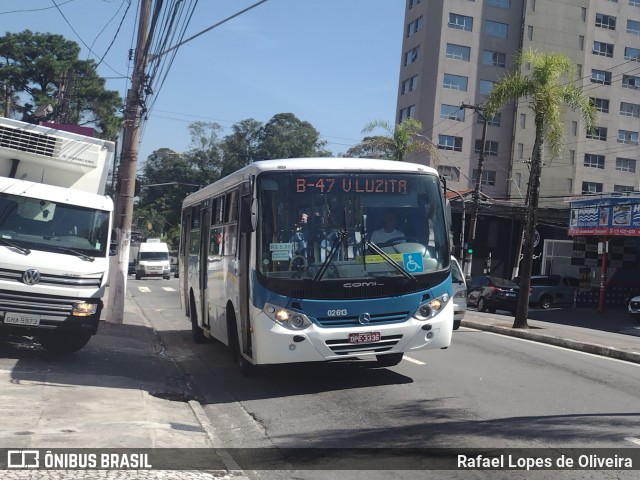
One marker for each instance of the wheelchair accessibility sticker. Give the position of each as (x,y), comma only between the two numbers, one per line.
(412,262)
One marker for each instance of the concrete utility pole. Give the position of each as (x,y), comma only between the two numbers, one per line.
(476,192)
(124,201)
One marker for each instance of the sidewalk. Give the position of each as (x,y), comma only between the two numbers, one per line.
(612,334)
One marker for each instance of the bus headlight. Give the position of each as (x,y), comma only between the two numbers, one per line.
(84,309)
(431,308)
(287,318)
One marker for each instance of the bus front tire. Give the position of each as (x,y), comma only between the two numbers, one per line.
(247,368)
(389,360)
(196,332)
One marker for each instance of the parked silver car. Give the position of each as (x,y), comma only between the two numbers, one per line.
(551,290)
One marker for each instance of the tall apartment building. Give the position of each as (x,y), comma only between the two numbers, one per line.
(453,52)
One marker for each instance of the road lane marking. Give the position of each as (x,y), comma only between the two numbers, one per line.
(169,289)
(555,346)
(633,440)
(144,289)
(413,360)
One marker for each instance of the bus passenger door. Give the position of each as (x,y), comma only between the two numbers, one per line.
(205,232)
(244,264)
(183,261)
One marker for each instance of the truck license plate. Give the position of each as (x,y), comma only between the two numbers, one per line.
(22,319)
(365,337)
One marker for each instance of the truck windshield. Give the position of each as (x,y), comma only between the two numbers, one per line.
(307,218)
(58,227)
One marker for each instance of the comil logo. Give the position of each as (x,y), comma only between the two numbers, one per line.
(23,459)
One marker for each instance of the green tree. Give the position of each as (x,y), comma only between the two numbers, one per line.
(371,147)
(42,68)
(547,89)
(242,146)
(400,140)
(286,136)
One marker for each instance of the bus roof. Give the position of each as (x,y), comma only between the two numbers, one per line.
(319,164)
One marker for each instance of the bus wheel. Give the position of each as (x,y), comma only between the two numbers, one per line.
(64,342)
(247,368)
(196,332)
(389,360)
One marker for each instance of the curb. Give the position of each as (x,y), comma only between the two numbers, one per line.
(595,349)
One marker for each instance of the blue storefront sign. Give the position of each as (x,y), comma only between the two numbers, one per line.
(605,215)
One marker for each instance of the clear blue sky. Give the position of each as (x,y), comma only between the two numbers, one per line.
(333,63)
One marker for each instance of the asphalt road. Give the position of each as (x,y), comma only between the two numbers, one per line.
(486,391)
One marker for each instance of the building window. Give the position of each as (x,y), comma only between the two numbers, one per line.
(490,147)
(411,56)
(605,21)
(492,121)
(413,3)
(634,3)
(485,87)
(578,70)
(414,27)
(591,187)
(581,42)
(496,59)
(455,82)
(633,27)
(496,29)
(632,53)
(594,161)
(600,76)
(570,185)
(452,174)
(599,133)
(583,13)
(629,109)
(408,112)
(518,179)
(499,3)
(523,120)
(461,22)
(488,177)
(628,137)
(530,32)
(625,165)
(623,188)
(449,142)
(630,81)
(574,128)
(409,85)
(452,112)
(601,104)
(604,49)
(458,52)
(572,157)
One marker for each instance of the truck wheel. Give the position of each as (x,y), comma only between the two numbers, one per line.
(64,342)
(545,301)
(389,360)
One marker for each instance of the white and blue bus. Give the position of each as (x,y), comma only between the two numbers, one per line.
(279,260)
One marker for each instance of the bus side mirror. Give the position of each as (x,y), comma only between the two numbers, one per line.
(246,214)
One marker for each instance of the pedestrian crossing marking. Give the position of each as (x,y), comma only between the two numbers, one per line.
(169,289)
(144,289)
(633,440)
(413,360)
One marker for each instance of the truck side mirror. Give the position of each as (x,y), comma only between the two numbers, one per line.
(113,246)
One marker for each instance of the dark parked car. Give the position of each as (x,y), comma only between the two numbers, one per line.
(551,290)
(132,267)
(489,294)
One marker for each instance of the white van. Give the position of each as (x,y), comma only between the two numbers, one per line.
(153,260)
(459,293)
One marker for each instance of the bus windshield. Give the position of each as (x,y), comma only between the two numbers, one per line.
(350,225)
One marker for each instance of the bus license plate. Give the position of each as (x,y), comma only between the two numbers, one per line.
(22,319)
(365,337)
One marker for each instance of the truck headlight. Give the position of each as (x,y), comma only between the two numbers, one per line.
(287,318)
(84,309)
(431,308)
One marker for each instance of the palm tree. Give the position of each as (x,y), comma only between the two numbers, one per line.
(547,89)
(400,140)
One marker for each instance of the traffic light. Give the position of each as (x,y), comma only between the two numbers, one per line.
(468,248)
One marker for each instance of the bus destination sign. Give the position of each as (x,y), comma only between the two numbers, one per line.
(351,185)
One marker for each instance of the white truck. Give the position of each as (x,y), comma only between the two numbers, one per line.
(153,260)
(55,233)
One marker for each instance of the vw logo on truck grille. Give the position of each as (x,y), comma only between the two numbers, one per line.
(31,276)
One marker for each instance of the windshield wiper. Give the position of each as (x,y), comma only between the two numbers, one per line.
(341,235)
(23,250)
(77,253)
(390,261)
